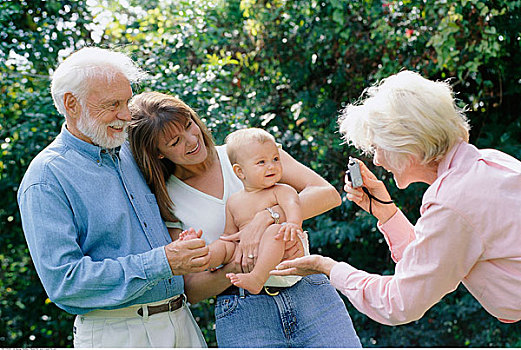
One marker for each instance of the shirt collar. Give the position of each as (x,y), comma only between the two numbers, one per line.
(89,150)
(449,157)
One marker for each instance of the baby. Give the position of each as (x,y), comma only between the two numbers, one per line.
(256,162)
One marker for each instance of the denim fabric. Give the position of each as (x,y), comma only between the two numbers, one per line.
(309,314)
(93,228)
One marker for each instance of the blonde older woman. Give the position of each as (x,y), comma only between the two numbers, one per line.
(469,231)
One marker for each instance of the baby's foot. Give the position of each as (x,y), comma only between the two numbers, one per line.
(246,281)
(188,235)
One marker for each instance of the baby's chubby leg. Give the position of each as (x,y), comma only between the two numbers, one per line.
(221,252)
(271,252)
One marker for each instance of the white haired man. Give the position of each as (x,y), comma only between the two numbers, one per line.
(92,225)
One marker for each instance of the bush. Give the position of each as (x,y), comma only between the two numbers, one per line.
(289,67)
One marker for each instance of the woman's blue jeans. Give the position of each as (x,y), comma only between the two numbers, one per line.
(308,314)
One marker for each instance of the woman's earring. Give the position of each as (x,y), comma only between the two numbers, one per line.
(161,156)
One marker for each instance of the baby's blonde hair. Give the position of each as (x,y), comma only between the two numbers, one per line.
(238,140)
(406,115)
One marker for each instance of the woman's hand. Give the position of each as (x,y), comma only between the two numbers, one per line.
(382,212)
(249,238)
(307,265)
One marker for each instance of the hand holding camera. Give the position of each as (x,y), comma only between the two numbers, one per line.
(354,174)
(360,186)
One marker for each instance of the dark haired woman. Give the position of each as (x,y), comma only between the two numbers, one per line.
(192,179)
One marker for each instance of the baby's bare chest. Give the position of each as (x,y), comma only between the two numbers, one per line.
(246,205)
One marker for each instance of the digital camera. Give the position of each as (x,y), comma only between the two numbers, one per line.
(353,173)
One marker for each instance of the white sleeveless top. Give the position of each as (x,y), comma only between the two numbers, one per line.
(201,211)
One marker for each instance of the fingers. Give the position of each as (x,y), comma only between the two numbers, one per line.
(187,256)
(366,173)
(231,238)
(200,262)
(290,267)
(288,232)
(286,272)
(295,233)
(291,252)
(242,260)
(293,249)
(255,255)
(304,263)
(248,263)
(353,194)
(191,243)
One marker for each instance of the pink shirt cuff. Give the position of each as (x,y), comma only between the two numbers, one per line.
(339,275)
(398,233)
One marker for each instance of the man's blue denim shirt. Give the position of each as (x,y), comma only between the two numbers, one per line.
(94,229)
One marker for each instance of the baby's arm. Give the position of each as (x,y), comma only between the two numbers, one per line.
(288,200)
(230,227)
(221,252)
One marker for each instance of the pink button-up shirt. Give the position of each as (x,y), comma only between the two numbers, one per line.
(469,231)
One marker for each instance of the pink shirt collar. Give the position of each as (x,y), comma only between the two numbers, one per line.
(449,157)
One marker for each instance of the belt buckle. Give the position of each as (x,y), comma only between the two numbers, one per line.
(273,294)
(172,302)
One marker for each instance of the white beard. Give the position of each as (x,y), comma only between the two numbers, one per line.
(97,131)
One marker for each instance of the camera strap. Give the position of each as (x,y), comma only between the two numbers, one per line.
(371,197)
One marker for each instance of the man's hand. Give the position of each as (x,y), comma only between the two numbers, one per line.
(187,256)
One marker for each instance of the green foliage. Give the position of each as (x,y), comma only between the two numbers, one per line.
(33,33)
(289,67)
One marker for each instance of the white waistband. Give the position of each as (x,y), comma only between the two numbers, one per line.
(129,311)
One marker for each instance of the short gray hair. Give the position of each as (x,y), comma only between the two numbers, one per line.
(76,71)
(405,115)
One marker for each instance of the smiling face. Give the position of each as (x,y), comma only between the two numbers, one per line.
(183,145)
(105,115)
(259,166)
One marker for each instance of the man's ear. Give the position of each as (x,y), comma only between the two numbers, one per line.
(72,105)
(238,171)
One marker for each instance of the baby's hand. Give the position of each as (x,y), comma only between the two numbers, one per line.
(290,231)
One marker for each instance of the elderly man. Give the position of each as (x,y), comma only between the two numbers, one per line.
(92,225)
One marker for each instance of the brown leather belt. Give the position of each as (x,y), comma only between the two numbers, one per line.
(172,305)
(272,291)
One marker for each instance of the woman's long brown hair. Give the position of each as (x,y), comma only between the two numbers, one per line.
(152,114)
